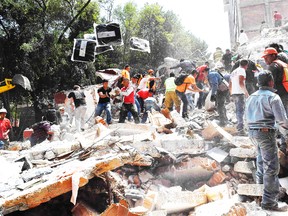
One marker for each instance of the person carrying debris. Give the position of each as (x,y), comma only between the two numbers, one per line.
(52,115)
(170,94)
(238,91)
(185,65)
(276,66)
(128,102)
(5,126)
(104,101)
(78,98)
(219,91)
(188,82)
(142,95)
(65,119)
(264,108)
(41,132)
(200,82)
(149,104)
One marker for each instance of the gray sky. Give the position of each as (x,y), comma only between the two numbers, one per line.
(206,19)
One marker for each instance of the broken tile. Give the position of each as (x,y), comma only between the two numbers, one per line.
(217,154)
(243,167)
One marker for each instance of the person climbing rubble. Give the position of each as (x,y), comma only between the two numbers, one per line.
(185,65)
(104,101)
(78,98)
(149,104)
(219,91)
(41,132)
(188,83)
(264,108)
(171,97)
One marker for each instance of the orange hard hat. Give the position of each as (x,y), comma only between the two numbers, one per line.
(150,71)
(269,51)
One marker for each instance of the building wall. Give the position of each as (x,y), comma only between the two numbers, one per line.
(250,14)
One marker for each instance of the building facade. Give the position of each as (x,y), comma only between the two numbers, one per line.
(249,14)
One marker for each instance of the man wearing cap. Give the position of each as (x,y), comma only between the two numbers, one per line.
(238,91)
(104,101)
(276,67)
(78,97)
(5,126)
(264,109)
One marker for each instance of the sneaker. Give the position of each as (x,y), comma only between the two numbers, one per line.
(275,208)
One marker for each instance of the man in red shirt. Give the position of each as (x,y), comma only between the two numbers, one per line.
(5,126)
(142,95)
(128,102)
(277,19)
(200,79)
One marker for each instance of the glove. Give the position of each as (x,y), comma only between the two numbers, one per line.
(213,98)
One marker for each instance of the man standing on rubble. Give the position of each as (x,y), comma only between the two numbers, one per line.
(104,101)
(277,19)
(219,92)
(78,98)
(238,92)
(189,82)
(275,65)
(128,102)
(170,94)
(264,108)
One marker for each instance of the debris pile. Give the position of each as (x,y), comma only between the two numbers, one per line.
(170,166)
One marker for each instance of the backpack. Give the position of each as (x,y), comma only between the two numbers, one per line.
(285,73)
(180,79)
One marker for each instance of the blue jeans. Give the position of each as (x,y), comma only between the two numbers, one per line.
(148,107)
(190,101)
(240,108)
(107,107)
(183,98)
(138,109)
(267,165)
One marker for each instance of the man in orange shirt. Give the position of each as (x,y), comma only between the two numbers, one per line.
(189,83)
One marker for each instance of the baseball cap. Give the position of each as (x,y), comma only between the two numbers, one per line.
(269,51)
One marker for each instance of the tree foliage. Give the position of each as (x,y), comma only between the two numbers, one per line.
(36,40)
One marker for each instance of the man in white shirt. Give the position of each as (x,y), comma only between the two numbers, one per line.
(238,91)
(243,39)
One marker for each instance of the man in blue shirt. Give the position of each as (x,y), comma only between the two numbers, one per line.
(264,109)
(220,90)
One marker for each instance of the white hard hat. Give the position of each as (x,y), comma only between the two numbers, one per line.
(3,110)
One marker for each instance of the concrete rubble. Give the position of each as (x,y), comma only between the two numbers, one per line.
(197,168)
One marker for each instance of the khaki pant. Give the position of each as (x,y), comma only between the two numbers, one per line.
(170,98)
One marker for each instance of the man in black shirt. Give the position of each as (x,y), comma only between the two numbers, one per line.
(227,60)
(80,107)
(104,102)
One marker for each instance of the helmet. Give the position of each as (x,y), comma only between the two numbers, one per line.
(264,77)
(269,51)
(3,110)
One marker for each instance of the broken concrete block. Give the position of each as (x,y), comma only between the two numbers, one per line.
(243,167)
(217,178)
(210,132)
(243,152)
(145,176)
(217,154)
(28,184)
(250,189)
(27,164)
(150,200)
(49,155)
(181,201)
